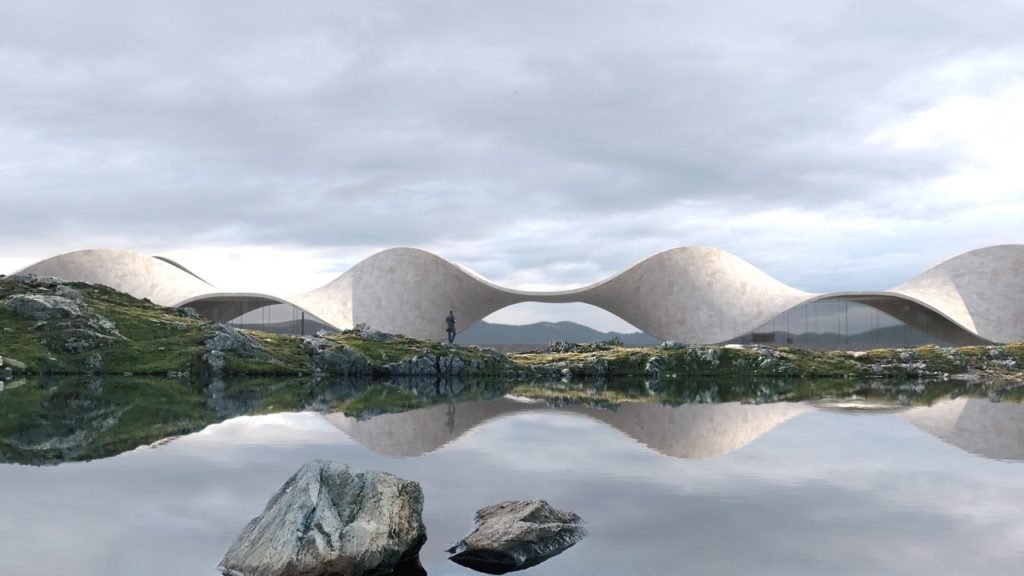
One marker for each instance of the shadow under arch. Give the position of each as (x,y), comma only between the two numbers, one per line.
(879,319)
(228,307)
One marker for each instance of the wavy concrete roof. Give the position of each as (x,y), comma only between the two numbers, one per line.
(688,431)
(691,294)
(157,279)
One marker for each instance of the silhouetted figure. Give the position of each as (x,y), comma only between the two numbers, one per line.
(450,321)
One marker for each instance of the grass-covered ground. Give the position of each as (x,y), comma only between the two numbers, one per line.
(96,372)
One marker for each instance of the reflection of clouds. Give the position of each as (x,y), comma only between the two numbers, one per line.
(281,428)
(687,431)
(824,493)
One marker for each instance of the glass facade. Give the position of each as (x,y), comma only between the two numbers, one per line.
(859,323)
(279,319)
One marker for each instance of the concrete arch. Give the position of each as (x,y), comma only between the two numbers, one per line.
(694,295)
(226,306)
(691,294)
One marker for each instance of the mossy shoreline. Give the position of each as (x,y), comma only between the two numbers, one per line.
(53,327)
(88,372)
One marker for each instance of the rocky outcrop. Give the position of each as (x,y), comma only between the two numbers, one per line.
(329,358)
(367,333)
(515,535)
(42,306)
(226,338)
(65,322)
(327,521)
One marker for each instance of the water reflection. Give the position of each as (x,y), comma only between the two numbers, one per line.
(810,493)
(688,431)
(989,429)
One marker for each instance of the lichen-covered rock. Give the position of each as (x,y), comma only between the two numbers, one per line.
(68,292)
(42,306)
(515,535)
(335,359)
(215,360)
(448,366)
(227,338)
(562,347)
(330,521)
(420,365)
(367,333)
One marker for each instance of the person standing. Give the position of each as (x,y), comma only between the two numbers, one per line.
(450,321)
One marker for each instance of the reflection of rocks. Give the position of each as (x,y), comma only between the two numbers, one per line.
(989,429)
(688,431)
(515,535)
(10,385)
(328,520)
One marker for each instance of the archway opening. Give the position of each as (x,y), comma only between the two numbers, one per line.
(280,319)
(859,322)
(532,325)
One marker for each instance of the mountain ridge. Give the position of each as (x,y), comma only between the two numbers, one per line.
(543,333)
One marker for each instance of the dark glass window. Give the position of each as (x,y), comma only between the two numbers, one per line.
(859,323)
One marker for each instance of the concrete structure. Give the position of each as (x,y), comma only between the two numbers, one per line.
(694,295)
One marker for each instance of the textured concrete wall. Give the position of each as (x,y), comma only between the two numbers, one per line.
(982,290)
(692,295)
(125,271)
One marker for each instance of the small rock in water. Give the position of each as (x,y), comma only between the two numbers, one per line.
(515,535)
(329,521)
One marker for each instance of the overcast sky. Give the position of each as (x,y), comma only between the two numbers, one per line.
(837,145)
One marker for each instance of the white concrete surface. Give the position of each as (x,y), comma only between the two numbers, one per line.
(694,295)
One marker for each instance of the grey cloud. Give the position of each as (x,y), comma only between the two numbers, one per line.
(458,125)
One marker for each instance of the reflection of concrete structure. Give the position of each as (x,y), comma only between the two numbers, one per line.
(692,295)
(689,431)
(989,429)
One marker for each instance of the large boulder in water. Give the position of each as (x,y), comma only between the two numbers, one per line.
(517,534)
(329,520)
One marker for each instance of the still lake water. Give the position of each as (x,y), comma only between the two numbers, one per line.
(793,489)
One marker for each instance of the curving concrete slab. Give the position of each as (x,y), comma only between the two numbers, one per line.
(981,290)
(694,295)
(136,274)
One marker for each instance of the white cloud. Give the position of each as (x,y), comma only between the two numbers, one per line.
(544,145)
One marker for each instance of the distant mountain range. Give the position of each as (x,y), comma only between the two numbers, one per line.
(504,337)
(543,333)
